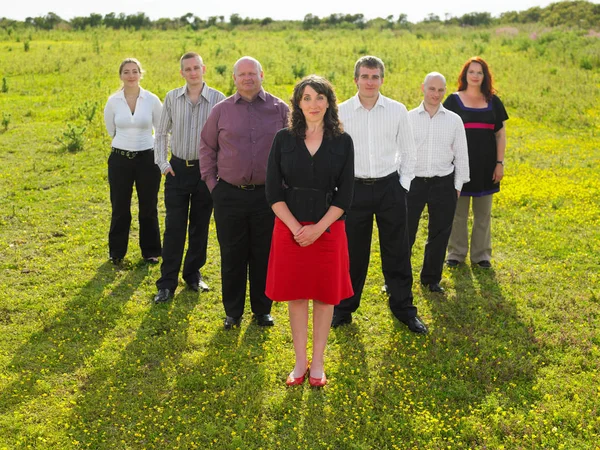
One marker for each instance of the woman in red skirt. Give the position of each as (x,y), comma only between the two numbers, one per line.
(310,179)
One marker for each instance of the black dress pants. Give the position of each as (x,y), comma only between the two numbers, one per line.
(439,194)
(244,223)
(386,201)
(189,206)
(123,173)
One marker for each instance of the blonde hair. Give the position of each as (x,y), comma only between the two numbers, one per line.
(128,61)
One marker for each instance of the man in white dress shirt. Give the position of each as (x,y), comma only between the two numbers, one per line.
(384,163)
(441,170)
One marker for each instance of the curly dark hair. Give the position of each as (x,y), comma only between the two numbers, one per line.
(331,122)
(487,86)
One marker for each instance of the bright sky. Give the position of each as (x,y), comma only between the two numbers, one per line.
(278,10)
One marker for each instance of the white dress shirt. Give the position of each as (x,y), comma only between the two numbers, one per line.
(132,132)
(441,144)
(382,136)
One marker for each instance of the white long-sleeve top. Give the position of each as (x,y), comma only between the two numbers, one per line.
(132,132)
(382,136)
(441,144)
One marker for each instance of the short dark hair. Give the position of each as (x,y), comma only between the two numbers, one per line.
(190,55)
(331,121)
(372,62)
(487,86)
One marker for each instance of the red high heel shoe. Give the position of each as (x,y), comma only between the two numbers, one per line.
(317,382)
(291,381)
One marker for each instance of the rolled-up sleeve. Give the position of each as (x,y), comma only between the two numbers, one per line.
(161,136)
(209,149)
(408,150)
(156,113)
(342,198)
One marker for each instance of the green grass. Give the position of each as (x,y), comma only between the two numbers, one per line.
(86,361)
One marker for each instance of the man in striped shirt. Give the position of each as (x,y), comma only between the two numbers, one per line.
(441,170)
(384,163)
(187,199)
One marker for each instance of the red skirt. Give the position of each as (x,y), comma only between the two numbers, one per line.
(320,271)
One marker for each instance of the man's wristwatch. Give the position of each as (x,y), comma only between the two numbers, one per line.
(500,162)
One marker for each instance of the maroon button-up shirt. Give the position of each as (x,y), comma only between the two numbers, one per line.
(237,137)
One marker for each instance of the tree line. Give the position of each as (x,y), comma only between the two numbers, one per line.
(577,13)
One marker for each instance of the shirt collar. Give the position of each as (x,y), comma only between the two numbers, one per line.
(183,90)
(143,93)
(357,104)
(261,94)
(421,109)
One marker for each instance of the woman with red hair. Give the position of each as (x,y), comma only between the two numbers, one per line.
(484,116)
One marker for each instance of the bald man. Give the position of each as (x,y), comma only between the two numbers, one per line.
(441,170)
(234,148)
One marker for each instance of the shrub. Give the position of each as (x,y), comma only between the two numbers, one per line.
(299,71)
(5,120)
(88,110)
(73,138)
(221,69)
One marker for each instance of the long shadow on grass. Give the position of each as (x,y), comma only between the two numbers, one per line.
(226,388)
(479,354)
(64,344)
(133,400)
(332,417)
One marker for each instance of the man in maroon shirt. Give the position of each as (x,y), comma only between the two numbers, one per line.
(234,149)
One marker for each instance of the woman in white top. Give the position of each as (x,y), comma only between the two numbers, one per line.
(130,115)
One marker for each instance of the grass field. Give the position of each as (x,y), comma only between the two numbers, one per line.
(512,359)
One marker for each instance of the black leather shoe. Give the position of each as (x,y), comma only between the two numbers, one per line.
(416,326)
(151,260)
(163,295)
(340,319)
(485,264)
(264,320)
(231,322)
(198,286)
(452,262)
(434,287)
(115,261)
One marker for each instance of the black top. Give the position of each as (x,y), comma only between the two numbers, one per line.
(481,125)
(310,184)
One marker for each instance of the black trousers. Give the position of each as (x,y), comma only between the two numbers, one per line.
(189,206)
(123,173)
(386,201)
(244,223)
(439,194)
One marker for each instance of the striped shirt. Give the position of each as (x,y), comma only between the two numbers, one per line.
(441,145)
(383,139)
(183,121)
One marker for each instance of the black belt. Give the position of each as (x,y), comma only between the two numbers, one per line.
(428,179)
(370,181)
(244,187)
(129,154)
(187,162)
